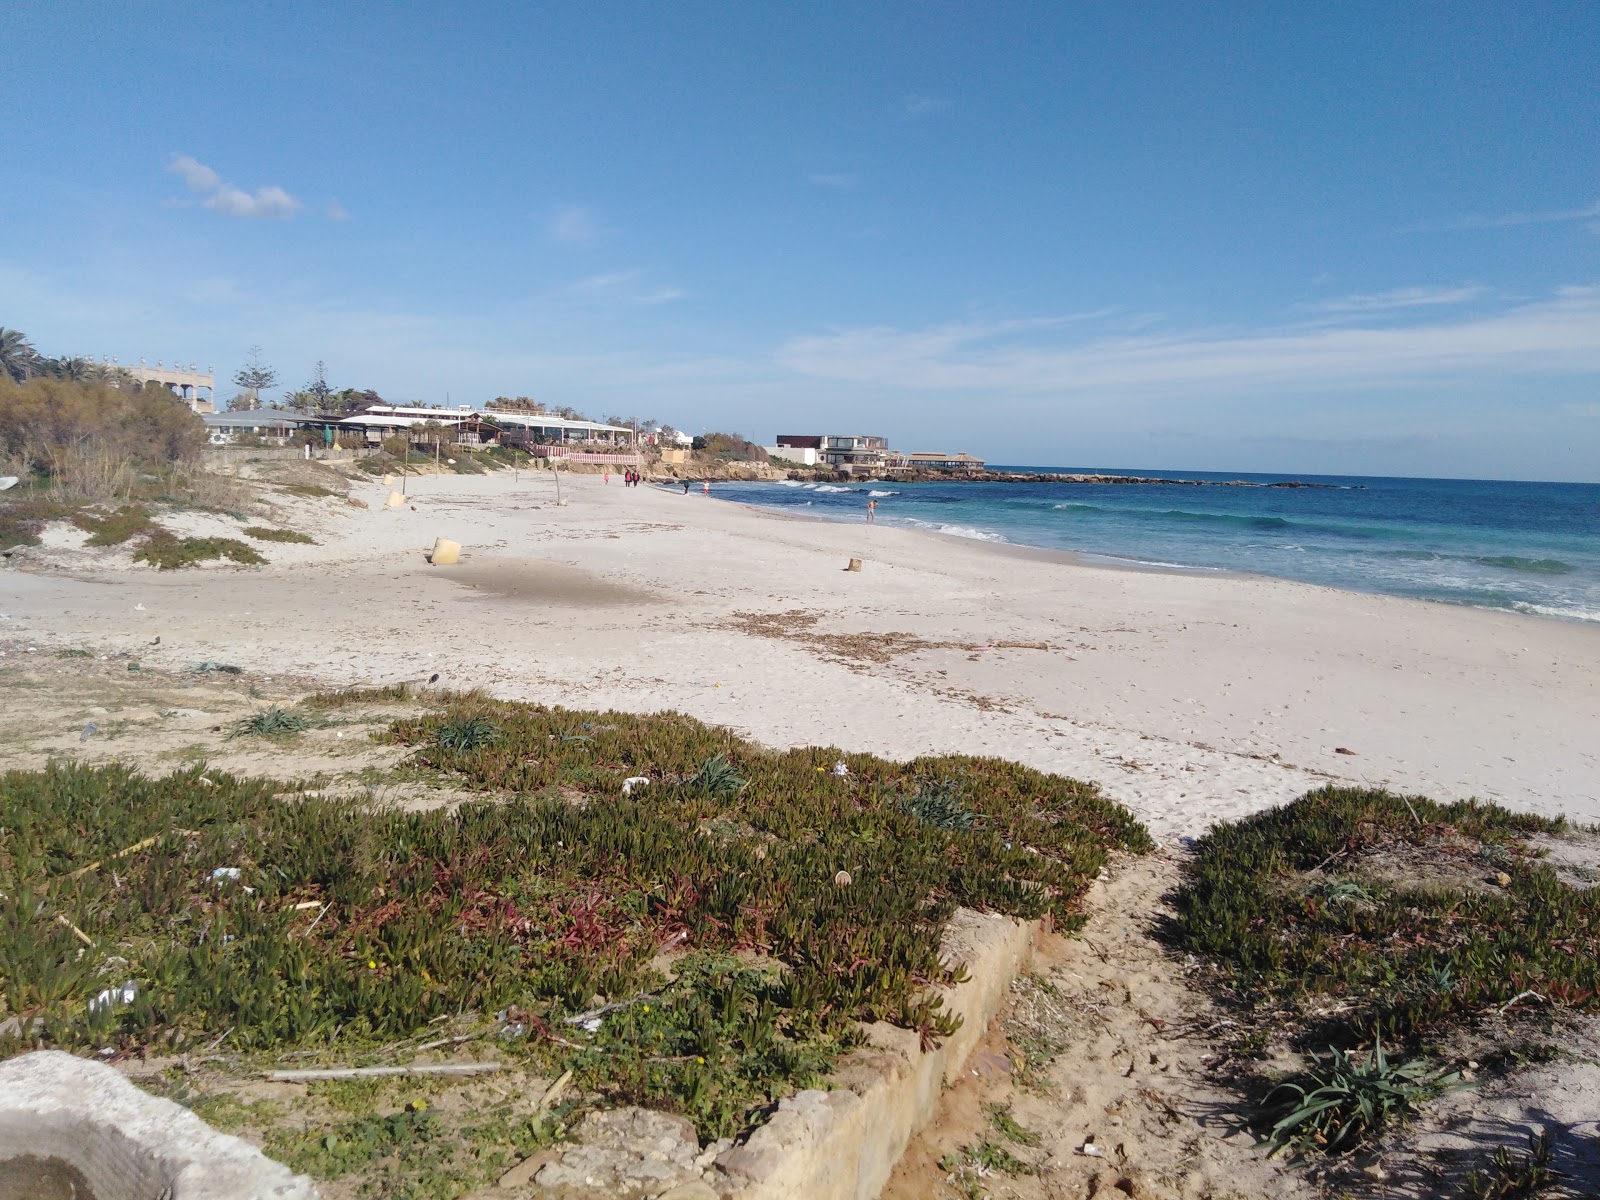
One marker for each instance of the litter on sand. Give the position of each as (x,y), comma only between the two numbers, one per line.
(113,996)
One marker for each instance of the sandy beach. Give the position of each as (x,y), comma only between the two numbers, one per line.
(1187,698)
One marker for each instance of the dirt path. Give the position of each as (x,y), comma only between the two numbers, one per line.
(1103,1055)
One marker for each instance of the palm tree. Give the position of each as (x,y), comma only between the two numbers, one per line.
(18,358)
(73,367)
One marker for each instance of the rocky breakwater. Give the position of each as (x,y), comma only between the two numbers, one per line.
(1042,477)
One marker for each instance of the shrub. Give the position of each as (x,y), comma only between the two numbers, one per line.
(166,552)
(263,534)
(91,441)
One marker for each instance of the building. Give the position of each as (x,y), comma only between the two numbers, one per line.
(531,429)
(931,460)
(462,424)
(183,382)
(274,425)
(855,452)
(805,456)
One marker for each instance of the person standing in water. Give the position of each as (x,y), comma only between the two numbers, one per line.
(705,487)
(872,512)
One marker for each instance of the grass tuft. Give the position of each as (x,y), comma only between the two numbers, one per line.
(1333,1106)
(465,734)
(271,722)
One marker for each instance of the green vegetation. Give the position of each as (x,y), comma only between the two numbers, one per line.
(798,904)
(466,733)
(263,534)
(22,520)
(1513,1176)
(1354,918)
(1392,907)
(1003,1123)
(89,441)
(114,528)
(273,722)
(977,1161)
(166,552)
(1333,1106)
(729,447)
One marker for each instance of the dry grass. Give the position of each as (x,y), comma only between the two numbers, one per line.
(854,650)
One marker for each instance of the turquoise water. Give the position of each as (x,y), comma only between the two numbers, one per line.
(1523,547)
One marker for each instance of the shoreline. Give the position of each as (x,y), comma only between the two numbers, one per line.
(1109,561)
(1188,697)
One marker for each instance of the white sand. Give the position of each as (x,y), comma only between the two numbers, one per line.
(1187,698)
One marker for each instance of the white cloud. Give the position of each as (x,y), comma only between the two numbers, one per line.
(1559,335)
(574,224)
(263,202)
(197,175)
(822,179)
(1398,298)
(220,197)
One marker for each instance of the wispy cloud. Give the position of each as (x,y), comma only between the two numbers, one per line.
(1507,220)
(574,224)
(823,179)
(624,287)
(916,105)
(337,212)
(1557,335)
(1398,298)
(269,202)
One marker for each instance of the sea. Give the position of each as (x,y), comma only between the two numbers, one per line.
(1522,547)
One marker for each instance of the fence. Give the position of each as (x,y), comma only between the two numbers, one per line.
(586,456)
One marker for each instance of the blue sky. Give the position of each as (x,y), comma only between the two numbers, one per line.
(1297,237)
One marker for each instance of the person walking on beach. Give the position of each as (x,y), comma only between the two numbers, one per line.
(705,487)
(685,487)
(872,512)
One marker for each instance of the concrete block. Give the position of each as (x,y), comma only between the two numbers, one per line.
(445,553)
(127,1144)
(395,500)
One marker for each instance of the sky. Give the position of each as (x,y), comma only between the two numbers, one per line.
(1352,238)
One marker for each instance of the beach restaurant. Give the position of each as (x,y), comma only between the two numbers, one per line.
(530,429)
